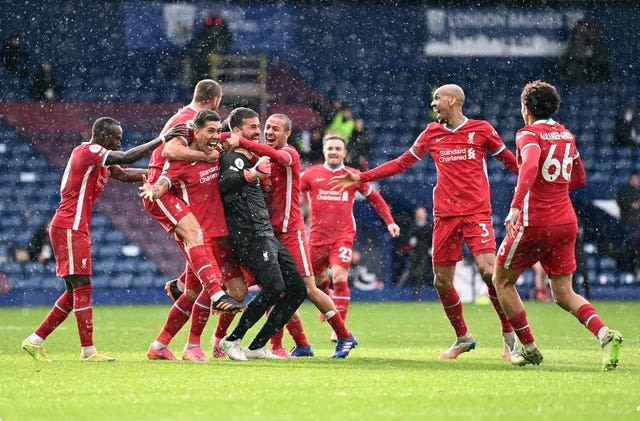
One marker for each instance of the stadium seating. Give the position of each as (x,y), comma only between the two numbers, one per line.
(29,187)
(388,86)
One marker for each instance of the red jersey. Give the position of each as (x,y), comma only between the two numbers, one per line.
(542,192)
(156,162)
(459,153)
(332,212)
(196,183)
(282,188)
(83,180)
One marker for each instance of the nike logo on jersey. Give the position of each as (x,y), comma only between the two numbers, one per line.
(319,179)
(440,138)
(484,241)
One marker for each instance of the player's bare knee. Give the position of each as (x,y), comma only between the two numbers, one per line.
(191,294)
(442,284)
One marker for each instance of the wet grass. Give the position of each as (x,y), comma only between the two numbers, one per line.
(393,374)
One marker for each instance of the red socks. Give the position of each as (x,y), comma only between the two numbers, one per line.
(58,314)
(276,339)
(521,327)
(504,320)
(177,317)
(297,333)
(199,318)
(84,313)
(224,321)
(452,306)
(206,268)
(337,323)
(589,317)
(341,298)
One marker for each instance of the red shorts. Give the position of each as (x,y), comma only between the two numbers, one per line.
(553,246)
(327,255)
(296,243)
(72,250)
(168,210)
(228,262)
(450,231)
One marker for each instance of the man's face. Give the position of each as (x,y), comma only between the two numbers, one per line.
(250,129)
(275,134)
(112,139)
(206,138)
(334,152)
(442,105)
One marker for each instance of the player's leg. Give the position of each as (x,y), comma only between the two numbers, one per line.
(177,317)
(569,300)
(540,282)
(237,290)
(34,344)
(284,308)
(83,312)
(262,260)
(505,283)
(341,293)
(204,264)
(200,315)
(447,251)
(485,263)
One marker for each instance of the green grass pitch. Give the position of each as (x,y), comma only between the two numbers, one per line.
(393,374)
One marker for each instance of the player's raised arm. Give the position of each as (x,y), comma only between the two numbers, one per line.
(344,181)
(140,151)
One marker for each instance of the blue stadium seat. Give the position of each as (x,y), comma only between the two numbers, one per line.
(121,280)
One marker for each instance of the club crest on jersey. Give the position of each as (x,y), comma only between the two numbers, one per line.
(95,148)
(239,163)
(470,137)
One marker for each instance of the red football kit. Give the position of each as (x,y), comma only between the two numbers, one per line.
(461,197)
(547,225)
(169,209)
(282,196)
(332,225)
(84,178)
(196,183)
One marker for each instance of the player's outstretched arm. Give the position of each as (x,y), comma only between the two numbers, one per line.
(140,151)
(176,150)
(153,192)
(127,175)
(344,181)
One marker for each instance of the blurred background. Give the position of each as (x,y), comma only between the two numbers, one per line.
(66,63)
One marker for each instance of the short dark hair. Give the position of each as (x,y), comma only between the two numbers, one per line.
(285,118)
(238,115)
(207,90)
(205,116)
(541,98)
(103,125)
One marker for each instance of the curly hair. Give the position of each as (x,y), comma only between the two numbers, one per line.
(541,98)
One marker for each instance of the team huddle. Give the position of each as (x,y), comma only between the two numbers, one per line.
(233,204)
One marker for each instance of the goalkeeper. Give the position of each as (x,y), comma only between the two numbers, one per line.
(255,244)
